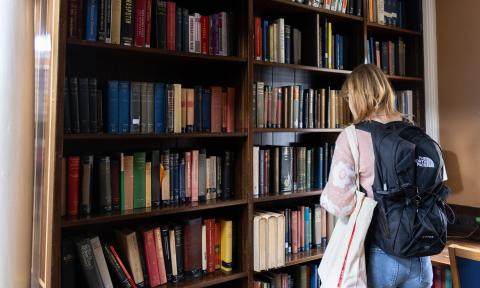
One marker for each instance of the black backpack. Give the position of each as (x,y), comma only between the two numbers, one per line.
(410,218)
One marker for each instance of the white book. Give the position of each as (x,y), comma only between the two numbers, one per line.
(101,263)
(173,251)
(260,236)
(256,243)
(380,11)
(280,45)
(191,34)
(204,247)
(256,152)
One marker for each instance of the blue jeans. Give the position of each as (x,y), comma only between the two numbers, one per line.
(385,271)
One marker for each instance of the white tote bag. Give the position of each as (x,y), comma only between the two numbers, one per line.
(343,263)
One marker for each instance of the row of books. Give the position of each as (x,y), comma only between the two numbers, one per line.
(330,47)
(387,55)
(442,277)
(101,184)
(290,231)
(301,276)
(276,41)
(145,107)
(149,256)
(285,170)
(147,23)
(404,103)
(352,7)
(387,12)
(294,107)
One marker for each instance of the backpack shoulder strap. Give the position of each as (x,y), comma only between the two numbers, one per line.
(353,142)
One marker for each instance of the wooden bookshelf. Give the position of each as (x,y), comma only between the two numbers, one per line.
(286,197)
(241,70)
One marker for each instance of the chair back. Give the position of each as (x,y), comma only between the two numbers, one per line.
(465,264)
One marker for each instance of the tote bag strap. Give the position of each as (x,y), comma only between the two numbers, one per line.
(353,142)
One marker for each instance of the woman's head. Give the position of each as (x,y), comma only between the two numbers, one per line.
(369,93)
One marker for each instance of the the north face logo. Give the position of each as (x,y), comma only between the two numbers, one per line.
(425,162)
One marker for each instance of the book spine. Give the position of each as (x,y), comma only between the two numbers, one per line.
(178,28)
(165,177)
(120,263)
(105,185)
(258,40)
(84,105)
(204,249)
(179,250)
(170,32)
(148,184)
(143,107)
(74,104)
(155,184)
(115,183)
(151,258)
(159,108)
(226,245)
(139,180)
(148,23)
(88,263)
(67,117)
(115,267)
(167,255)
(206,112)
(123,113)
(194,175)
(93,105)
(150,107)
(101,263)
(202,169)
(161,24)
(127,23)
(91,20)
(101,18)
(135,107)
(185,28)
(162,274)
(265,42)
(112,108)
(73,185)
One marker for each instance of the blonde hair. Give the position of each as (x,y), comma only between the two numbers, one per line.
(368,91)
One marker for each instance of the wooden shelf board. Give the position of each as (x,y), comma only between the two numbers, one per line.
(194,57)
(303,257)
(404,78)
(372,26)
(296,195)
(142,213)
(303,67)
(288,6)
(128,136)
(299,130)
(215,278)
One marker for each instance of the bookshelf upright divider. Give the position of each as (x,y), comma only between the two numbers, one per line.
(82,58)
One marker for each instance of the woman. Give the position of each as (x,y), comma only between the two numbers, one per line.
(370,98)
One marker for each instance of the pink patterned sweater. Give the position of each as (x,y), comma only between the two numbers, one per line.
(338,197)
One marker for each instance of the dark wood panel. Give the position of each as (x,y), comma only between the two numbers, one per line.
(215,278)
(127,137)
(384,29)
(303,67)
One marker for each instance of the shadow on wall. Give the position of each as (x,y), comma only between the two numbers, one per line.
(453,172)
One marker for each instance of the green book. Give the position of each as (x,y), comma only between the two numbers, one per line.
(122,185)
(139,180)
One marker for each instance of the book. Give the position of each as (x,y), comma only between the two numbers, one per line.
(73,185)
(135,106)
(139,197)
(100,261)
(122,266)
(105,185)
(127,27)
(116,21)
(69,257)
(167,253)
(88,262)
(192,249)
(226,245)
(127,241)
(155,179)
(151,260)
(160,252)
(128,182)
(140,20)
(148,184)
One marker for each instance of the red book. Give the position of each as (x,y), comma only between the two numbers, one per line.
(204,30)
(294,232)
(125,271)
(194,175)
(140,17)
(171,11)
(210,227)
(192,248)
(218,259)
(73,185)
(151,258)
(230,109)
(224,109)
(148,23)
(258,39)
(301,221)
(216,108)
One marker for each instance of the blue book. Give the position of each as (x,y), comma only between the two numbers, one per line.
(112,107)
(91,20)
(313,276)
(124,107)
(159,108)
(337,52)
(197,109)
(206,113)
(265,40)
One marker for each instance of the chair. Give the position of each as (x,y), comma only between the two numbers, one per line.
(465,265)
